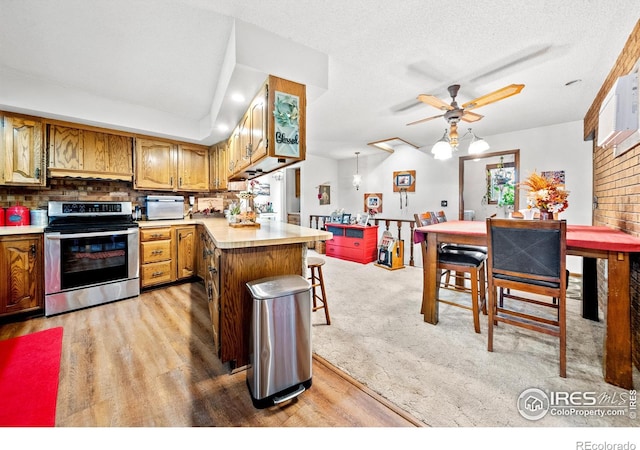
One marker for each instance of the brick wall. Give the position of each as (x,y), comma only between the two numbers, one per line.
(616,184)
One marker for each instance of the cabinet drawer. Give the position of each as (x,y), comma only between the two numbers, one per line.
(156,273)
(155,234)
(155,251)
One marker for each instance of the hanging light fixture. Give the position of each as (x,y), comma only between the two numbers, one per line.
(357,178)
(442,149)
(477,145)
(448,143)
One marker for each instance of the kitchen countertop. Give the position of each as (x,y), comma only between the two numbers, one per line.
(224,236)
(22,229)
(269,233)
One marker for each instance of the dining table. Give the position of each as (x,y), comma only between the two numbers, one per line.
(591,243)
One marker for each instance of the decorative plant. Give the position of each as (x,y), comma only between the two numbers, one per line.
(234,209)
(507,195)
(546,194)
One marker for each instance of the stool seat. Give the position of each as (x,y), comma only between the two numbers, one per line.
(314,261)
(317,281)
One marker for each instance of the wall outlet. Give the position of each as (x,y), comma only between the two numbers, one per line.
(443,203)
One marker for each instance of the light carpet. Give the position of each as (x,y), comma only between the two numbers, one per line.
(443,374)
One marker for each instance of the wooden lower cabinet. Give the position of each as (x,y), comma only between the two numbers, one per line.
(237,267)
(226,274)
(21,274)
(167,254)
(186,245)
(208,265)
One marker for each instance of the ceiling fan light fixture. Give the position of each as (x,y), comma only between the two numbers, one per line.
(442,149)
(477,145)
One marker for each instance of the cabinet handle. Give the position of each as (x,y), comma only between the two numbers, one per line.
(213,269)
(171,181)
(157,252)
(180,181)
(156,274)
(33,250)
(37,173)
(357,244)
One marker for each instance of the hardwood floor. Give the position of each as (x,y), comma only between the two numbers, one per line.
(148,362)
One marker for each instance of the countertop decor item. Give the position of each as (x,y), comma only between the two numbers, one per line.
(546,193)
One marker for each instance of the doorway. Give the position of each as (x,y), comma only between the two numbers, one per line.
(477,196)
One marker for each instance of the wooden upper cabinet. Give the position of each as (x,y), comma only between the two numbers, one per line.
(193,168)
(218,167)
(155,165)
(89,154)
(22,151)
(259,130)
(166,166)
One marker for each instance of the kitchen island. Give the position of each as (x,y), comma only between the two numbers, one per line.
(228,258)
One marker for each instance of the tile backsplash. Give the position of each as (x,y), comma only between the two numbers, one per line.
(59,189)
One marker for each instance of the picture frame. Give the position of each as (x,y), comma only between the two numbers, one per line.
(346,219)
(373,203)
(364,220)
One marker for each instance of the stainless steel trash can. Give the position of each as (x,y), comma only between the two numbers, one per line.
(280,343)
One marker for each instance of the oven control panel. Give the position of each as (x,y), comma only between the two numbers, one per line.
(79,208)
(74,208)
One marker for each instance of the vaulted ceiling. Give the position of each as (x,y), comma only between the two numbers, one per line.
(169,67)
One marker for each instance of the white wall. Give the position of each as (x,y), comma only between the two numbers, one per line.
(556,147)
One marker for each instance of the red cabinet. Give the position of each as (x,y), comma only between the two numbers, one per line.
(353,242)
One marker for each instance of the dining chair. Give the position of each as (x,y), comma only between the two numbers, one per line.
(461,262)
(528,257)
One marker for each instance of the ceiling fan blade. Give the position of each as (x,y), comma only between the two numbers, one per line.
(435,102)
(469,116)
(494,96)
(425,120)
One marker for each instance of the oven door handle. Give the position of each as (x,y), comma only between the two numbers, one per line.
(59,236)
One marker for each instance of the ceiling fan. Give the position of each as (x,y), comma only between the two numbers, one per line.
(454,113)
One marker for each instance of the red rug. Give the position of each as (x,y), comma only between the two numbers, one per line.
(29,368)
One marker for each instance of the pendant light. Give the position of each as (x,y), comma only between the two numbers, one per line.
(357,178)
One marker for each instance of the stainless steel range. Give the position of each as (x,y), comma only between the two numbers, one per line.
(91,255)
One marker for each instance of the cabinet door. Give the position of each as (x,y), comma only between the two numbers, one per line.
(212,285)
(223,166)
(259,132)
(22,152)
(186,254)
(244,145)
(65,149)
(120,157)
(155,165)
(21,274)
(193,168)
(234,156)
(95,158)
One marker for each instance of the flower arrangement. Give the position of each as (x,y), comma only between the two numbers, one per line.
(545,194)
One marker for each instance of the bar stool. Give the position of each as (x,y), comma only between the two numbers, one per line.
(315,265)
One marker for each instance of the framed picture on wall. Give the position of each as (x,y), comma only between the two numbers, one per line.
(373,203)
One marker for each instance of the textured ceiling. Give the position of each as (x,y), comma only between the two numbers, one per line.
(156,66)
